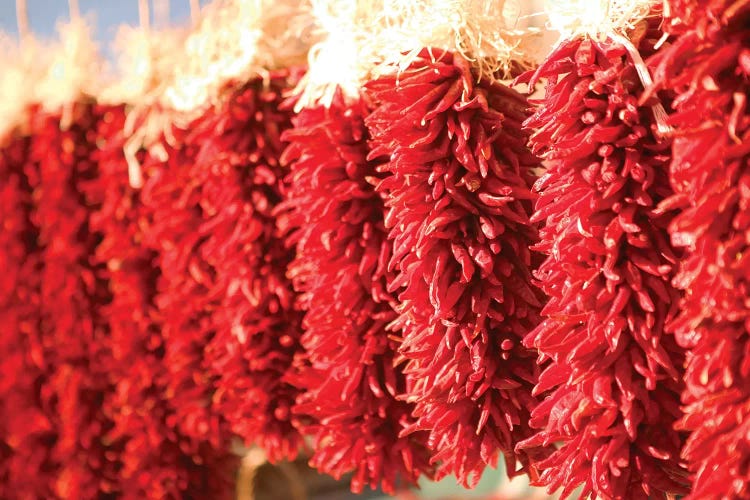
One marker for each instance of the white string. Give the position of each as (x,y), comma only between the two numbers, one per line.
(362,39)
(22,19)
(135,173)
(161,13)
(73,9)
(143,14)
(660,114)
(596,18)
(195,9)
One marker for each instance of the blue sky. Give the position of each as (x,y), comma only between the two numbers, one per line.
(43,14)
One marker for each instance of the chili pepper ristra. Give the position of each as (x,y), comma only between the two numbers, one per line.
(230,326)
(612,386)
(707,66)
(456,185)
(25,426)
(351,377)
(156,459)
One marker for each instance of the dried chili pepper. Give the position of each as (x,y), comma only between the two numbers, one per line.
(69,341)
(457,177)
(229,323)
(172,214)
(614,380)
(334,218)
(24,426)
(707,65)
(156,460)
(702,16)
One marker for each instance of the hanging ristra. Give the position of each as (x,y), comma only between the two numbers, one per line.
(157,460)
(146,60)
(73,332)
(457,191)
(56,450)
(334,219)
(23,425)
(455,177)
(163,454)
(230,326)
(350,378)
(612,386)
(258,324)
(707,67)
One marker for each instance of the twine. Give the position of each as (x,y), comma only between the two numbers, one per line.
(22,20)
(602,19)
(596,18)
(362,39)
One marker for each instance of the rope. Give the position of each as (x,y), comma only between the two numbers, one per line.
(22,19)
(195,10)
(161,13)
(75,12)
(143,14)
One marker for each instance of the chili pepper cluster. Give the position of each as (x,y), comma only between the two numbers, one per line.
(409,283)
(708,70)
(457,179)
(615,376)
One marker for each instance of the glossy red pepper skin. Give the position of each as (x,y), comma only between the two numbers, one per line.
(351,377)
(615,376)
(456,185)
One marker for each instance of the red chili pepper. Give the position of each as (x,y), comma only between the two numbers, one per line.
(614,382)
(229,323)
(335,220)
(456,186)
(64,335)
(155,459)
(25,428)
(709,173)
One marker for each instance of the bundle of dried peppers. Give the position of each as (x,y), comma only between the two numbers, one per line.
(351,378)
(707,66)
(408,278)
(228,322)
(156,458)
(457,193)
(615,377)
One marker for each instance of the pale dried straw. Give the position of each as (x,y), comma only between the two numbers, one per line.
(362,39)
